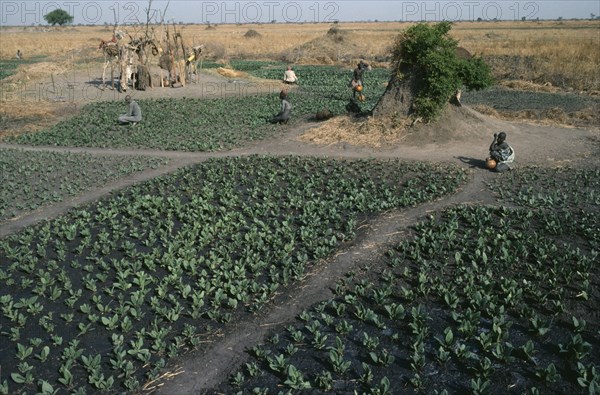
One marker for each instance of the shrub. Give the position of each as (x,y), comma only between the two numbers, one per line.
(426,54)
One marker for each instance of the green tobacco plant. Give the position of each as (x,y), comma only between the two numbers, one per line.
(339,364)
(295,379)
(48,177)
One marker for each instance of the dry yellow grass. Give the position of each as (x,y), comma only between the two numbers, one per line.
(229,73)
(565,51)
(568,49)
(369,133)
(21,116)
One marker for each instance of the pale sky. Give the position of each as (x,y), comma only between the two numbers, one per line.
(20,12)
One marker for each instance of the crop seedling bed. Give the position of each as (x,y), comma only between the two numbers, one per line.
(511,100)
(207,124)
(101,298)
(478,300)
(33,179)
(327,87)
(170,124)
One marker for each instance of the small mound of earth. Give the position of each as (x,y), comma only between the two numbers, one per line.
(336,34)
(336,45)
(455,124)
(252,34)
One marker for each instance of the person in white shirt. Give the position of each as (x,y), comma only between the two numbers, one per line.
(289,77)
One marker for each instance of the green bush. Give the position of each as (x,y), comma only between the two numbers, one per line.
(426,53)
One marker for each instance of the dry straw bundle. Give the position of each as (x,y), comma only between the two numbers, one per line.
(367,133)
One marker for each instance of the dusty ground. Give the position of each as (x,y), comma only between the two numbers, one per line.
(461,137)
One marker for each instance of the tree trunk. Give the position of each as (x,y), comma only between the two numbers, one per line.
(143,78)
(123,69)
(397,100)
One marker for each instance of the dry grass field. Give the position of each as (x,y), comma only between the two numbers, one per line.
(556,52)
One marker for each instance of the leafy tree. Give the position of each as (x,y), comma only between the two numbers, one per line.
(428,69)
(60,17)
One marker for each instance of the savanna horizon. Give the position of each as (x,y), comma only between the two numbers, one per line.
(568,48)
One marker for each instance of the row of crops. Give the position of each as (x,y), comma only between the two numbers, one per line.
(33,179)
(511,100)
(479,300)
(101,298)
(209,124)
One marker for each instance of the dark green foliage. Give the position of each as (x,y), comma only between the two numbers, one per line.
(209,64)
(427,54)
(478,291)
(115,288)
(327,87)
(34,179)
(475,74)
(208,124)
(510,100)
(58,17)
(8,67)
(171,124)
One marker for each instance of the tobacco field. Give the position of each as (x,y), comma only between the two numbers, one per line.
(208,124)
(99,299)
(512,100)
(33,179)
(476,299)
(480,300)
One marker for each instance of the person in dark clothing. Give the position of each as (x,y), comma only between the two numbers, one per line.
(359,70)
(286,108)
(356,83)
(502,152)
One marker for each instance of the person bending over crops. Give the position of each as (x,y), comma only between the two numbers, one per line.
(502,153)
(289,76)
(286,108)
(134,115)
